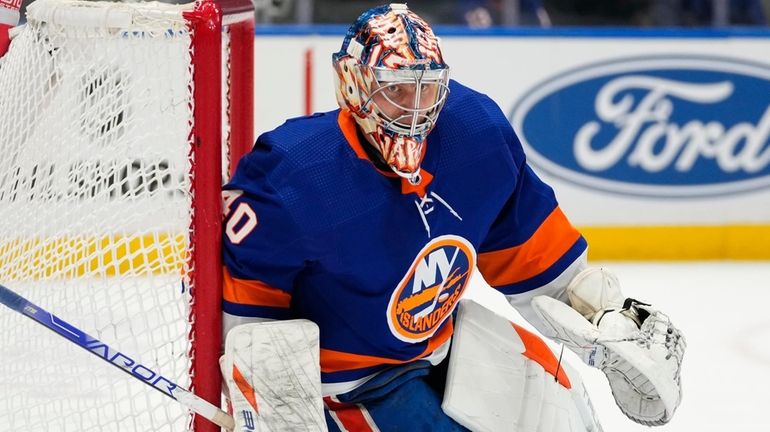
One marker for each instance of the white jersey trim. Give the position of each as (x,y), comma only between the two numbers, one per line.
(557,289)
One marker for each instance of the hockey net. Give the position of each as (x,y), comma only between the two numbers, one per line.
(110,170)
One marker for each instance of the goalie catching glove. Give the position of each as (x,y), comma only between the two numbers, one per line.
(636,346)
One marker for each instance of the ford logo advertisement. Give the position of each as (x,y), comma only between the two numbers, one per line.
(663,126)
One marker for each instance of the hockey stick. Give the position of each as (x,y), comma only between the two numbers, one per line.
(116,358)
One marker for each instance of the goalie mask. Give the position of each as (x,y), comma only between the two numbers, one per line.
(392,77)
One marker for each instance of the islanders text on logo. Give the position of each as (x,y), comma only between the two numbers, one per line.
(656,126)
(430,290)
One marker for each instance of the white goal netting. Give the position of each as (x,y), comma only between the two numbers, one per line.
(95,212)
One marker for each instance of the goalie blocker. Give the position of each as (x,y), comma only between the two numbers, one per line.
(272,375)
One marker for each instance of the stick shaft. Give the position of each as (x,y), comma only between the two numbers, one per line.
(115,358)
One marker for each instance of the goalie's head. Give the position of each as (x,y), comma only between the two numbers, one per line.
(392,77)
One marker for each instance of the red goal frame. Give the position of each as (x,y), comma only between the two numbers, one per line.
(207,22)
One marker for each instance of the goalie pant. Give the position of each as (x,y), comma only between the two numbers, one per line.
(406,397)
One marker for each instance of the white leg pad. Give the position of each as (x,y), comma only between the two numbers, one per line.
(493,386)
(272,373)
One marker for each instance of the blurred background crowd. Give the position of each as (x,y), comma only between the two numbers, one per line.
(538,13)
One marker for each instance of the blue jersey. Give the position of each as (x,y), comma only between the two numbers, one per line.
(314,230)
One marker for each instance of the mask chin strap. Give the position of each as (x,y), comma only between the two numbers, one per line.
(413,178)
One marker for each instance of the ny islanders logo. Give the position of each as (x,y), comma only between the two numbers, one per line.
(430,290)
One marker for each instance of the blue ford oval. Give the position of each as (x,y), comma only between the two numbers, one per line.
(653,126)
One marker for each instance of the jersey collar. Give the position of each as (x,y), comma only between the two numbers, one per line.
(350,132)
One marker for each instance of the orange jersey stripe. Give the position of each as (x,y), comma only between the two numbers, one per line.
(336,361)
(537,351)
(253,292)
(552,239)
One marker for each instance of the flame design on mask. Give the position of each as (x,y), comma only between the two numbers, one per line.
(403,153)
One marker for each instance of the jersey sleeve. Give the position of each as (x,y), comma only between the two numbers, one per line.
(531,243)
(263,248)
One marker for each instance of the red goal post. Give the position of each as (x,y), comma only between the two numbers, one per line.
(207,21)
(118,124)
